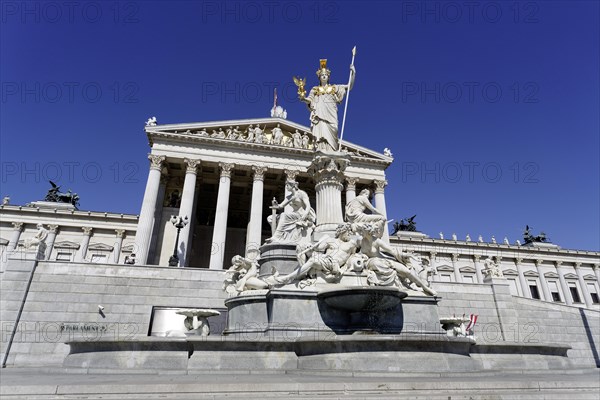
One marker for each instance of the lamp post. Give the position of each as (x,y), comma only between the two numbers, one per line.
(179,222)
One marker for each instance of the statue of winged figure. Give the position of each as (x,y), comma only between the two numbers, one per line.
(300,83)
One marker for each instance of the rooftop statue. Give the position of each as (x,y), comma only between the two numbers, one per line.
(322,102)
(529,238)
(405,225)
(54,195)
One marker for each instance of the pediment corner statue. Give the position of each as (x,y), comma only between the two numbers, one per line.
(322,101)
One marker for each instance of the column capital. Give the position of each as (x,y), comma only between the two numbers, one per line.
(432,254)
(498,259)
(156,162)
(120,233)
(259,172)
(87,230)
(538,262)
(380,185)
(191,165)
(595,266)
(290,174)
(18,226)
(226,169)
(558,263)
(455,257)
(518,260)
(577,265)
(53,228)
(477,257)
(351,183)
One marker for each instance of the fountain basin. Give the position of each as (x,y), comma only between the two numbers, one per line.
(366,298)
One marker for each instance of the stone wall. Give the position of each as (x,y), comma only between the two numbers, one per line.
(63,295)
(67,295)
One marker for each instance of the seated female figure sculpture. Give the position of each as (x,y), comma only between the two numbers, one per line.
(297,223)
(385,270)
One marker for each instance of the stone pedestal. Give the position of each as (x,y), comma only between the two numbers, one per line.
(278,256)
(328,170)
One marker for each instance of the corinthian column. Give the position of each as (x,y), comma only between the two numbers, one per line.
(253,237)
(563,283)
(457,274)
(220,228)
(543,281)
(52,232)
(85,242)
(586,293)
(478,272)
(186,209)
(380,205)
(143,234)
(118,245)
(350,189)
(328,171)
(16,234)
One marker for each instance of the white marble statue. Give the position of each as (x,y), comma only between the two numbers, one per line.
(491,269)
(277,135)
(387,152)
(39,238)
(441,235)
(242,276)
(518,242)
(151,121)
(297,139)
(494,239)
(203,132)
(480,239)
(505,240)
(468,238)
(278,112)
(355,210)
(306,141)
(296,224)
(259,136)
(323,103)
(6,200)
(250,136)
(196,321)
(384,270)
(454,237)
(329,256)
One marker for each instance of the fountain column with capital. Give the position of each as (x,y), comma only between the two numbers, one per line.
(328,170)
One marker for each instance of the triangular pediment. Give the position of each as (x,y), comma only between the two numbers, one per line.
(468,269)
(127,248)
(235,133)
(445,268)
(510,272)
(589,277)
(531,273)
(570,276)
(551,275)
(66,245)
(100,247)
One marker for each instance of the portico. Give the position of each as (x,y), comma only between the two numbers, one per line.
(224,183)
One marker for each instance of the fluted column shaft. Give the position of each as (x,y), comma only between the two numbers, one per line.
(186,209)
(118,245)
(457,274)
(584,289)
(16,234)
(563,283)
(146,221)
(350,189)
(52,232)
(543,281)
(433,267)
(85,242)
(380,205)
(329,175)
(522,280)
(478,272)
(220,228)
(253,238)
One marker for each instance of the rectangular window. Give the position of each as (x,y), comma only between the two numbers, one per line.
(535,293)
(554,290)
(574,292)
(445,277)
(593,293)
(468,279)
(63,256)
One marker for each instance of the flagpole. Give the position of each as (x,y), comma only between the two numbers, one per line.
(347,97)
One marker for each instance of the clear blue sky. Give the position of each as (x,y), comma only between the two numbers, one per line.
(490,108)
